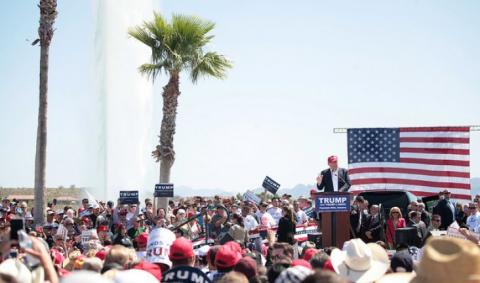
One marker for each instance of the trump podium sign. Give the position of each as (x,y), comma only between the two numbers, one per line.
(332,202)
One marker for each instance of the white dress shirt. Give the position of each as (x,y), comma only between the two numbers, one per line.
(335,180)
(473,222)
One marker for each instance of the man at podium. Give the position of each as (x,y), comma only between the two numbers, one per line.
(333,179)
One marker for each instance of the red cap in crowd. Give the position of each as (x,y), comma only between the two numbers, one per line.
(309,253)
(151,268)
(227,256)
(328,265)
(57,257)
(332,159)
(102,228)
(101,254)
(235,246)
(142,239)
(181,248)
(247,266)
(301,262)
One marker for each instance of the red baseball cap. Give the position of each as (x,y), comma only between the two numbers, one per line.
(101,254)
(328,265)
(247,266)
(332,158)
(227,256)
(57,257)
(142,239)
(151,268)
(102,228)
(309,253)
(235,246)
(181,248)
(301,262)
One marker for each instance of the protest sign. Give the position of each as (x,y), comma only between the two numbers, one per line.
(270,185)
(185,274)
(252,197)
(129,197)
(332,202)
(164,190)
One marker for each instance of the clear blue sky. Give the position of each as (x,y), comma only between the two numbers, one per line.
(301,69)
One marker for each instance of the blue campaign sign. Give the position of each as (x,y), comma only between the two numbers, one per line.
(164,190)
(270,185)
(332,202)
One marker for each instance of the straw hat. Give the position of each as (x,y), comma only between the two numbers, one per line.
(445,260)
(360,262)
(449,260)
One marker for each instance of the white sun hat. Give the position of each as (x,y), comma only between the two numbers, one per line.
(360,262)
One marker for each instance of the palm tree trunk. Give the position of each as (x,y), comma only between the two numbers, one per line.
(45,32)
(165,150)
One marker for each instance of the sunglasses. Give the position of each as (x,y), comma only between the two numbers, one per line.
(395,212)
(435,220)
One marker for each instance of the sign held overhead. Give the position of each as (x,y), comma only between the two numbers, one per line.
(270,185)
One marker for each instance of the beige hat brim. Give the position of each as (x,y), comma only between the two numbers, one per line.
(378,266)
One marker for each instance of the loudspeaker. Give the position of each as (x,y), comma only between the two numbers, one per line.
(315,238)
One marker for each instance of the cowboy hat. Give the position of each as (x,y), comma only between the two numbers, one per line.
(360,262)
(449,260)
(444,260)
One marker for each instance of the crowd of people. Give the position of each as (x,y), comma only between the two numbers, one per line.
(232,240)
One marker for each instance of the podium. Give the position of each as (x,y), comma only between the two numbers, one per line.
(334,208)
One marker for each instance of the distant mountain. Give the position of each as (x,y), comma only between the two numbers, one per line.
(296,191)
(184,191)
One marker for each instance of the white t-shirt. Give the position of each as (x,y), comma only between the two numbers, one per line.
(301,216)
(250,223)
(276,213)
(266,220)
(473,222)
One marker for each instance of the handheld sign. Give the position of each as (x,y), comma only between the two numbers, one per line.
(164,190)
(270,185)
(128,197)
(332,203)
(251,196)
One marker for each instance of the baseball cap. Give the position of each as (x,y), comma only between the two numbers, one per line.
(181,248)
(102,228)
(151,268)
(247,266)
(301,262)
(332,158)
(227,256)
(142,239)
(309,253)
(102,254)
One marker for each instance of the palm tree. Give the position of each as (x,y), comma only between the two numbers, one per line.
(176,46)
(48,13)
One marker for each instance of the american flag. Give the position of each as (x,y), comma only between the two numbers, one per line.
(422,160)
